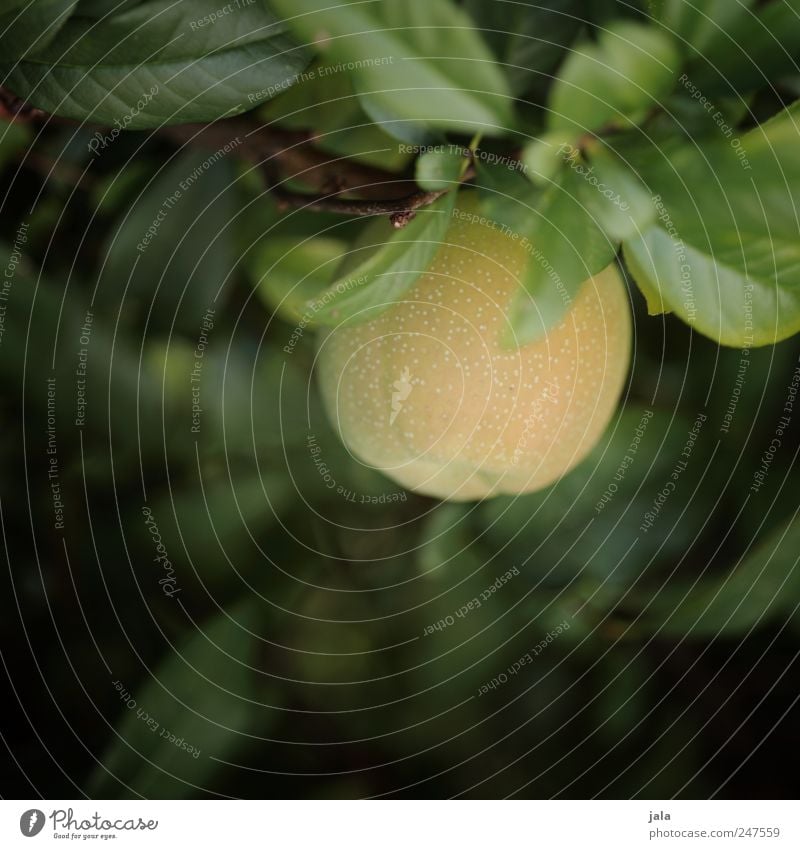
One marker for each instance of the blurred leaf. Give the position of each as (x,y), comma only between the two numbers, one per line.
(545,156)
(158,63)
(615,197)
(289,272)
(119,187)
(600,12)
(101,8)
(418,62)
(411,131)
(506,196)
(439,169)
(753,47)
(701,24)
(445,542)
(690,116)
(210,527)
(617,81)
(763,586)
(174,245)
(117,399)
(13,139)
(566,247)
(28,28)
(587,525)
(734,48)
(389,270)
(725,254)
(200,694)
(527,37)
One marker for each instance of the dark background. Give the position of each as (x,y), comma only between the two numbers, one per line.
(293,651)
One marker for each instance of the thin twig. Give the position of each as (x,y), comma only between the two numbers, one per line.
(379,192)
(400,210)
(13,108)
(294,151)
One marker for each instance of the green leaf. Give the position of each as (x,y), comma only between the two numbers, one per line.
(701,24)
(507,196)
(101,8)
(29,28)
(393,265)
(528,37)
(201,694)
(615,197)
(545,156)
(416,62)
(753,48)
(160,62)
(725,256)
(409,131)
(291,271)
(600,12)
(327,101)
(439,169)
(616,81)
(566,247)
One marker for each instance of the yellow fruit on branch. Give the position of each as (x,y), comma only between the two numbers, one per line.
(427,393)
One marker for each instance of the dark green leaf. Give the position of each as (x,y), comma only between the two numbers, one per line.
(202,694)
(527,37)
(29,28)
(754,49)
(327,101)
(763,586)
(507,197)
(171,242)
(702,25)
(101,8)
(160,62)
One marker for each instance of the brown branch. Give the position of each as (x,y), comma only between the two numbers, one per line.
(380,192)
(292,152)
(13,108)
(400,211)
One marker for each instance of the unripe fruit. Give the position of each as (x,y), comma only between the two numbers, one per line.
(426,393)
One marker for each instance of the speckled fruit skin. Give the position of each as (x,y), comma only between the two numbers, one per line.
(426,393)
